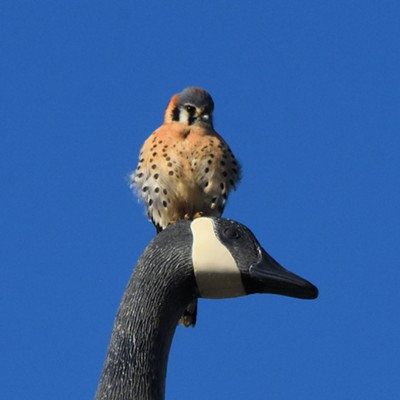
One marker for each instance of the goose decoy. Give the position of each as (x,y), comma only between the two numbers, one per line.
(185,168)
(206,257)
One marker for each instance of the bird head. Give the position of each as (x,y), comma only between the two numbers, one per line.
(193,106)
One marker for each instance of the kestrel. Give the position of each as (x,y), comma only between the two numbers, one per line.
(185,167)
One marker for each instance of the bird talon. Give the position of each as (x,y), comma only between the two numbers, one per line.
(189,217)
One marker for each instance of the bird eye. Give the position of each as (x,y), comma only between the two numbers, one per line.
(190,109)
(232,233)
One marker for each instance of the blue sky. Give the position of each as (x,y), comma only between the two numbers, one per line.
(307,94)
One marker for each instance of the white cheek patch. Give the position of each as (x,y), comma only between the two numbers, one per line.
(183,115)
(217,274)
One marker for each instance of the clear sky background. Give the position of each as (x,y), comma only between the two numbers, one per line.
(308,96)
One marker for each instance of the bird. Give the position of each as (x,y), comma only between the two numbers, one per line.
(185,168)
(207,257)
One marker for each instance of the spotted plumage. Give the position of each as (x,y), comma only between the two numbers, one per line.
(185,167)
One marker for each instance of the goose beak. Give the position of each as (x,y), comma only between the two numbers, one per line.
(268,276)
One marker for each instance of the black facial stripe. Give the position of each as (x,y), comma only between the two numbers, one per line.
(175,114)
(192,119)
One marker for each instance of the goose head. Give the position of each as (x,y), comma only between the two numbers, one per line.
(228,261)
(206,257)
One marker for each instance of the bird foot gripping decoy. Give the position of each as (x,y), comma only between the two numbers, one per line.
(207,257)
(186,169)
(195,215)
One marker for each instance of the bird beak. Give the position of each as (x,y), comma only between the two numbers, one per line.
(205,118)
(268,276)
